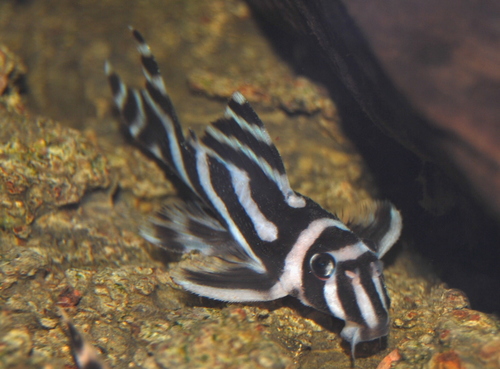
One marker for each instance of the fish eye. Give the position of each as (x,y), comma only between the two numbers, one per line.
(322,265)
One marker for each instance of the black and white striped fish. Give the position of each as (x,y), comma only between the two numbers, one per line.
(268,241)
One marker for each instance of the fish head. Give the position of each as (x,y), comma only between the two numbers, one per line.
(343,274)
(357,294)
(348,283)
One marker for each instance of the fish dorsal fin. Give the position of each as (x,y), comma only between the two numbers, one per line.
(377,221)
(241,139)
(240,175)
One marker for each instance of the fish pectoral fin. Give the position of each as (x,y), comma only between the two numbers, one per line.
(186,226)
(377,221)
(226,280)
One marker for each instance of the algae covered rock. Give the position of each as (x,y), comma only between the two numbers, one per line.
(43,165)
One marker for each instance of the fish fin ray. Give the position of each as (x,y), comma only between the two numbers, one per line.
(240,138)
(377,221)
(227,280)
(186,226)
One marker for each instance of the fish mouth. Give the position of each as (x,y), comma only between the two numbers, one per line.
(354,333)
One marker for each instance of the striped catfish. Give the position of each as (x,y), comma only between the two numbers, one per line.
(262,240)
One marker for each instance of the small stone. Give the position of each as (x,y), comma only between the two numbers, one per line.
(456,299)
(398,323)
(48,323)
(426,339)
(446,360)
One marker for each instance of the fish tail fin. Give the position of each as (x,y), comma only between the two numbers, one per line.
(148,114)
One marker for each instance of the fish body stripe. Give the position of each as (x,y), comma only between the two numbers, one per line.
(236,145)
(202,164)
(368,313)
(266,230)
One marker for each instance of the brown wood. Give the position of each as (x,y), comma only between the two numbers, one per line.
(427,72)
